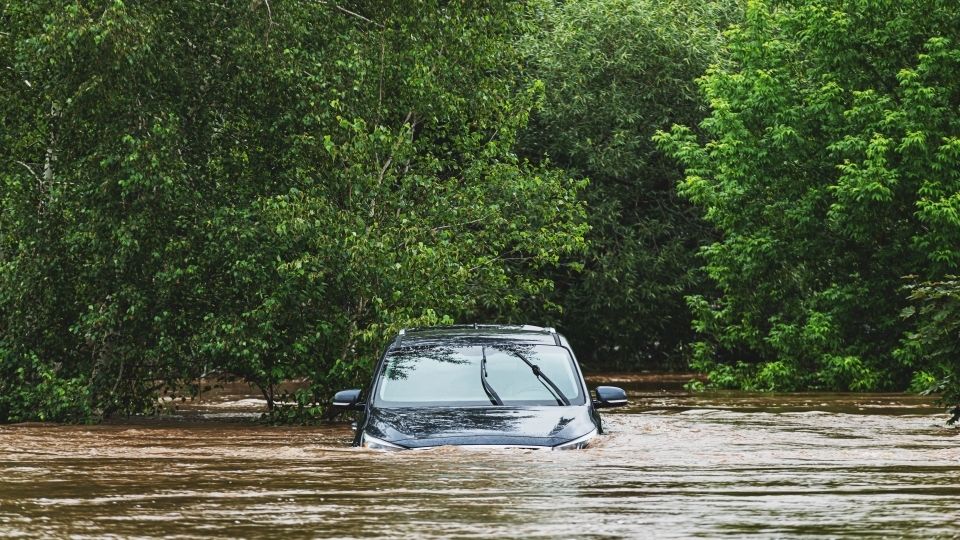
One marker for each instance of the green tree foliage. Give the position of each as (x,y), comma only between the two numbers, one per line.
(937,340)
(616,71)
(254,190)
(832,168)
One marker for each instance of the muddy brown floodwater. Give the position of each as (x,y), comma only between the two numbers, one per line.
(673,465)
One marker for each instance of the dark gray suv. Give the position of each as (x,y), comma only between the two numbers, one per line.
(478,385)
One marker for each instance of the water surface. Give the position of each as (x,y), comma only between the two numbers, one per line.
(673,465)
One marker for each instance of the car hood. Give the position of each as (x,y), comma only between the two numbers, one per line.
(521,426)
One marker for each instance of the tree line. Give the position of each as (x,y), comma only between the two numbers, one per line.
(767,192)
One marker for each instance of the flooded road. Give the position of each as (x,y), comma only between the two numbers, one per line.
(673,465)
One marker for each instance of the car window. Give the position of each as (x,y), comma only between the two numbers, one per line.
(434,375)
(428,376)
(515,382)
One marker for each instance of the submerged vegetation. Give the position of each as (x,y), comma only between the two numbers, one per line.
(264,191)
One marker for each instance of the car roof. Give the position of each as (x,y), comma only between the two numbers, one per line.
(463,334)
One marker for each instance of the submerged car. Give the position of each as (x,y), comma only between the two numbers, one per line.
(478,386)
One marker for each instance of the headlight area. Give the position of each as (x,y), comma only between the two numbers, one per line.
(374,443)
(578,443)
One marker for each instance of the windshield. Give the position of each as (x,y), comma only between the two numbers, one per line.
(425,376)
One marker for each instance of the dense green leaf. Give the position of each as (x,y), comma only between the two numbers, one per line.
(616,71)
(196,191)
(829,165)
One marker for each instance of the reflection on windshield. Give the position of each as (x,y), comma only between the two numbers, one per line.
(405,360)
(427,376)
(517,384)
(433,375)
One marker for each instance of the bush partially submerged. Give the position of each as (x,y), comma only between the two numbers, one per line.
(936,343)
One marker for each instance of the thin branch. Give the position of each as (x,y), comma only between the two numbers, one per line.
(37,178)
(352,14)
(348,12)
(217,18)
(383,170)
(493,135)
(395,148)
(383,49)
(269,20)
(443,227)
(499,258)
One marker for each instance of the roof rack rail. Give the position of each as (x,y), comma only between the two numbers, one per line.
(475,326)
(553,332)
(478,326)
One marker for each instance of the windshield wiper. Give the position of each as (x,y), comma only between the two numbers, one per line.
(542,377)
(483,379)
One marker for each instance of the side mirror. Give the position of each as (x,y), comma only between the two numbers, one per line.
(610,396)
(348,399)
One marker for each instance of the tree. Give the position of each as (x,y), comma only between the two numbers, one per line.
(616,71)
(830,167)
(936,341)
(255,190)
